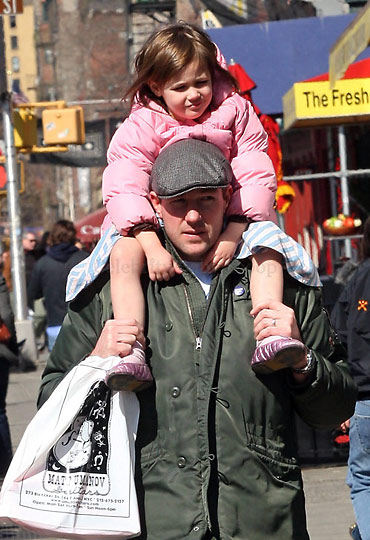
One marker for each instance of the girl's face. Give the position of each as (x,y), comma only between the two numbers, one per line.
(188,94)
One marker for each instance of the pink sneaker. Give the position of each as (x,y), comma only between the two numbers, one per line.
(131,374)
(277,352)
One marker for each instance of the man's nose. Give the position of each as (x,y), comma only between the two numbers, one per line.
(193,215)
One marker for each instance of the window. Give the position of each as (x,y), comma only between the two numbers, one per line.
(14,42)
(48,56)
(15,64)
(46,10)
(12,21)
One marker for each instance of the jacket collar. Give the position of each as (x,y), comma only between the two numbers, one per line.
(236,265)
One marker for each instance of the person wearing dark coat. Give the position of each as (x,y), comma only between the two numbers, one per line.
(49,275)
(351,318)
(8,356)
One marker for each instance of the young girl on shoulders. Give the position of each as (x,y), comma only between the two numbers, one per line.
(182,89)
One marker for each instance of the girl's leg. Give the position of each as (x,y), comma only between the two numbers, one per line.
(275,352)
(126,264)
(267,277)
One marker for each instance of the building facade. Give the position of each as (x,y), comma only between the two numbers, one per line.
(20,51)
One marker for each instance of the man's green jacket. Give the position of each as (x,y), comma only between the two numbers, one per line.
(216,444)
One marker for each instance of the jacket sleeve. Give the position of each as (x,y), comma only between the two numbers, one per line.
(255,180)
(339,316)
(131,154)
(34,289)
(77,338)
(330,397)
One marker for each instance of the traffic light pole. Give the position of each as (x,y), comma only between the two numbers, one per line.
(12,186)
(24,326)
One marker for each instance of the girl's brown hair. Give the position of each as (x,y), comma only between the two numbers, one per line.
(166,53)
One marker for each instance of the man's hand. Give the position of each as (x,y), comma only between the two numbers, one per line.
(161,266)
(273,318)
(117,338)
(276,319)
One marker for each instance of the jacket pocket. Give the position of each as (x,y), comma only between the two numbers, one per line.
(267,445)
(150,455)
(280,468)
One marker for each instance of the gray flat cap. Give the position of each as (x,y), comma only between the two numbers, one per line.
(189,164)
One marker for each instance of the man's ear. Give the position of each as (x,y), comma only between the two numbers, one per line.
(156,89)
(156,203)
(227,191)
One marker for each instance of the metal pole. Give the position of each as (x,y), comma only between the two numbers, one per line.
(332,181)
(23,326)
(12,186)
(344,183)
(71,202)
(334,248)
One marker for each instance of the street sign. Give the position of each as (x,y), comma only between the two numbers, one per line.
(11,7)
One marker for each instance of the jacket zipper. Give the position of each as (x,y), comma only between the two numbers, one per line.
(198,346)
(198,339)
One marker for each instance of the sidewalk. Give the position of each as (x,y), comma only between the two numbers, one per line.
(329,510)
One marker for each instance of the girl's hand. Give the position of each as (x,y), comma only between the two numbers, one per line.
(161,266)
(220,255)
(223,251)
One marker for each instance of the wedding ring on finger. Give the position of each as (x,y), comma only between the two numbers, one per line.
(273,323)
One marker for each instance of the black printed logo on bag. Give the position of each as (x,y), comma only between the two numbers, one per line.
(78,461)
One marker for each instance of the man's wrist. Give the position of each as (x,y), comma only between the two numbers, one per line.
(310,364)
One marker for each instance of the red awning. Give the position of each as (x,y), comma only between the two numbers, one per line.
(88,228)
(358,70)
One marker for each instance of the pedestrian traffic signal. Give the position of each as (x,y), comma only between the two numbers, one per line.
(4,178)
(63,126)
(25,128)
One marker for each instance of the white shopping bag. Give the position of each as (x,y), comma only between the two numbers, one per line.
(73,472)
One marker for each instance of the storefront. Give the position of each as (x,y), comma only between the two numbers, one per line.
(277,55)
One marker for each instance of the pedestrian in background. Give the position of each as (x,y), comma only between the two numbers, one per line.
(39,312)
(50,273)
(29,242)
(8,356)
(351,317)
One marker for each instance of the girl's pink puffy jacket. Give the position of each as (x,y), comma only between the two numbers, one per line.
(234,127)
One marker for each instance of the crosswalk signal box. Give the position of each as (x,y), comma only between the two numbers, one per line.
(25,128)
(63,126)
